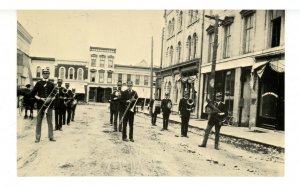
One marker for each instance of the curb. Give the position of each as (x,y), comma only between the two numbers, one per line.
(278,148)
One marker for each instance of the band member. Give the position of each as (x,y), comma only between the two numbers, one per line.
(131,97)
(115,105)
(111,114)
(68,103)
(166,106)
(74,103)
(44,92)
(28,102)
(155,106)
(215,118)
(59,105)
(185,107)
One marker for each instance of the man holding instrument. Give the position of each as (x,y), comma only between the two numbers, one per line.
(130,96)
(44,91)
(215,118)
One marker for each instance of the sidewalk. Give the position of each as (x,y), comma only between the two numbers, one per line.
(256,135)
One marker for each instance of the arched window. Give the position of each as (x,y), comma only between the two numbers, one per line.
(38,71)
(80,74)
(195,15)
(171,55)
(195,40)
(62,73)
(189,47)
(173,26)
(180,21)
(167,55)
(169,28)
(71,73)
(178,52)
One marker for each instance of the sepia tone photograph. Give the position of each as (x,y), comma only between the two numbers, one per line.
(150,93)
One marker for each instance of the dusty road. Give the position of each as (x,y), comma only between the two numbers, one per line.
(88,147)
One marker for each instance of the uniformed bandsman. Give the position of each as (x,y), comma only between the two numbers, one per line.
(115,105)
(59,105)
(166,105)
(185,107)
(68,103)
(74,103)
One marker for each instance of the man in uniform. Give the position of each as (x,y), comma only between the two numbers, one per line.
(59,105)
(215,118)
(115,105)
(28,102)
(166,106)
(155,109)
(68,103)
(74,103)
(184,112)
(44,92)
(130,96)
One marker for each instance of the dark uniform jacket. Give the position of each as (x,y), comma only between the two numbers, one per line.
(115,100)
(59,99)
(215,116)
(43,89)
(127,95)
(156,109)
(183,107)
(69,100)
(164,106)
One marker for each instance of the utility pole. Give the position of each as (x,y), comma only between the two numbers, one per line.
(214,57)
(151,74)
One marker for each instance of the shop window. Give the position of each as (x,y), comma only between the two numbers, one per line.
(137,79)
(38,72)
(120,77)
(146,80)
(276,25)
(93,76)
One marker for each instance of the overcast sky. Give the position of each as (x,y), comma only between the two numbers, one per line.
(68,34)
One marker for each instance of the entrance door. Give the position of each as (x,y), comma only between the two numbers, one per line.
(271,100)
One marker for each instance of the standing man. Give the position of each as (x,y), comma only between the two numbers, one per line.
(44,92)
(59,105)
(155,106)
(186,105)
(115,105)
(130,96)
(74,103)
(215,118)
(28,102)
(68,103)
(166,106)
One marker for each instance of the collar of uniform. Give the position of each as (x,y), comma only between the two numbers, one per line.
(46,80)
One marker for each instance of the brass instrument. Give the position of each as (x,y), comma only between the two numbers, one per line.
(48,100)
(128,106)
(74,100)
(190,104)
(169,105)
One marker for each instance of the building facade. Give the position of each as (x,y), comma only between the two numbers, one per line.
(38,64)
(249,66)
(24,39)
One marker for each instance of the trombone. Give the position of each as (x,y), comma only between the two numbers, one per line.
(47,100)
(125,112)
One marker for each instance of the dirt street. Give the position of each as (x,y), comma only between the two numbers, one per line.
(89,147)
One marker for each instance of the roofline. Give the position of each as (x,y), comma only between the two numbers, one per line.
(130,66)
(104,48)
(42,58)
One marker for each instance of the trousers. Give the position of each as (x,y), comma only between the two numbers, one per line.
(166,116)
(39,120)
(185,118)
(129,118)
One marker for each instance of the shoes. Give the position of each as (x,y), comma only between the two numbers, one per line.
(162,129)
(68,124)
(55,129)
(25,117)
(124,139)
(201,145)
(37,141)
(186,136)
(182,136)
(120,130)
(52,139)
(217,148)
(132,140)
(60,129)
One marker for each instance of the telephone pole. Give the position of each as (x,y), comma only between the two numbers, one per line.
(151,74)
(214,57)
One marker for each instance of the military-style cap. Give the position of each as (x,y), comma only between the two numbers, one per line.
(73,89)
(59,80)
(219,94)
(119,83)
(46,70)
(67,84)
(27,85)
(167,93)
(129,83)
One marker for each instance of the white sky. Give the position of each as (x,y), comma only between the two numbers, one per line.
(68,34)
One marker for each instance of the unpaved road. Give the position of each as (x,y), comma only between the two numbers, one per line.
(88,147)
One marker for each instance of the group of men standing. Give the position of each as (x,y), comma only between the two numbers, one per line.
(49,96)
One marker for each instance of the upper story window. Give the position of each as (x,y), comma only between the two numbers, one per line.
(120,77)
(93,60)
(109,77)
(248,32)
(80,74)
(102,61)
(137,79)
(171,55)
(93,76)
(71,73)
(227,38)
(180,18)
(128,77)
(190,16)
(178,52)
(195,41)
(195,16)
(38,71)
(173,26)
(110,61)
(275,26)
(101,76)
(146,80)
(189,47)
(62,73)
(211,38)
(167,56)
(169,28)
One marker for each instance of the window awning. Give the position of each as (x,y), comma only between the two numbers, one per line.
(276,65)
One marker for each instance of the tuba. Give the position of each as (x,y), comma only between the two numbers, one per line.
(169,104)
(190,104)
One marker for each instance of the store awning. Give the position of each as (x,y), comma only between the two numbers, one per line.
(276,65)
